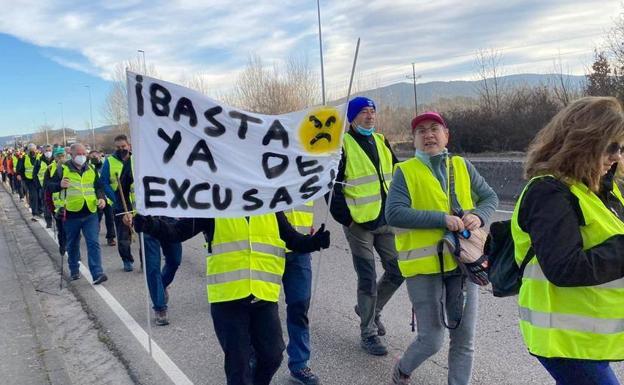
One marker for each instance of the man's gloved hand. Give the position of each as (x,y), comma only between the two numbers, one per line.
(321,238)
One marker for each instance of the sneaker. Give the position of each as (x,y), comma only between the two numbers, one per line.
(111,242)
(398,378)
(100,279)
(161,318)
(381,328)
(305,377)
(75,276)
(374,346)
(128,266)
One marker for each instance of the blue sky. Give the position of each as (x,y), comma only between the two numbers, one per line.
(49,50)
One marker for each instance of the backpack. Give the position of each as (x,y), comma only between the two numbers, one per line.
(504,273)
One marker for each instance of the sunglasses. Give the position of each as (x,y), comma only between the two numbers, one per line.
(614,149)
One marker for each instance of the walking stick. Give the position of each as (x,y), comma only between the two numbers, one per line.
(63,217)
(125,207)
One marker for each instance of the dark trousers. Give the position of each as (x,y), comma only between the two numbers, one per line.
(297,282)
(60,232)
(241,326)
(579,372)
(123,239)
(33,196)
(109,220)
(157,279)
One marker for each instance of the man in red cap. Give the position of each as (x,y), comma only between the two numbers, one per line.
(422,208)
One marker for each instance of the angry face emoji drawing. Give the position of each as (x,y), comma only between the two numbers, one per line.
(320,130)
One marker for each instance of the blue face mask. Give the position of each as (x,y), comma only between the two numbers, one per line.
(365,131)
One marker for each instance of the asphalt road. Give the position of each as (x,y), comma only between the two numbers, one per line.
(189,341)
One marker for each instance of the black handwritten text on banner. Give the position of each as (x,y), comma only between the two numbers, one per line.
(196,157)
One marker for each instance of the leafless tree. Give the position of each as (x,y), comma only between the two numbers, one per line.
(490,88)
(276,90)
(564,90)
(115,109)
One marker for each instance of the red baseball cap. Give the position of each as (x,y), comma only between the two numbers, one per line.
(429,115)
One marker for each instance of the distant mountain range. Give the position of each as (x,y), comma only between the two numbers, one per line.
(25,138)
(402,94)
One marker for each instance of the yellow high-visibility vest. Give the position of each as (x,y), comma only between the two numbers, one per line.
(417,248)
(572,322)
(80,190)
(56,197)
(362,188)
(43,167)
(301,217)
(28,167)
(114,166)
(248,258)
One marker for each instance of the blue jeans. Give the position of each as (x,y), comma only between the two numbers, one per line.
(297,282)
(158,280)
(579,372)
(90,228)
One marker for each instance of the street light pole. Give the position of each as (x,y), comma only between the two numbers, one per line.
(63,124)
(91,116)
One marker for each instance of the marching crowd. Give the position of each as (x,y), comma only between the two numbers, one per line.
(567,228)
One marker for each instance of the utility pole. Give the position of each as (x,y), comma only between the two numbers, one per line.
(414,78)
(91,115)
(45,126)
(63,124)
(144,65)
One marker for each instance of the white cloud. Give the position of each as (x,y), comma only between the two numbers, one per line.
(215,37)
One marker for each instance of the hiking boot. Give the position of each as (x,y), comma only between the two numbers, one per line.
(381,329)
(398,378)
(75,276)
(111,242)
(305,376)
(374,346)
(128,266)
(161,318)
(100,279)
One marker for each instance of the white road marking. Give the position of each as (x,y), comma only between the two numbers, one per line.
(158,355)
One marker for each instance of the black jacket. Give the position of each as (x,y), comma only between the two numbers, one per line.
(339,209)
(187,228)
(552,216)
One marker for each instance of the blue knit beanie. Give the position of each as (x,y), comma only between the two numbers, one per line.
(356,105)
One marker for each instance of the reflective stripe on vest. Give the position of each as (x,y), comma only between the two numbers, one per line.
(417,248)
(301,217)
(80,190)
(572,322)
(362,189)
(247,259)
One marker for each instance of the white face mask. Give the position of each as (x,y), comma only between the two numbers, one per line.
(48,154)
(80,159)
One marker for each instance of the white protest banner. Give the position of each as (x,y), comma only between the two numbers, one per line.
(196,157)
